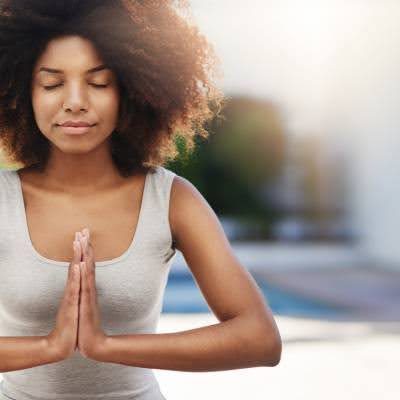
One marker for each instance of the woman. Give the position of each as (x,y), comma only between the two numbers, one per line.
(93,97)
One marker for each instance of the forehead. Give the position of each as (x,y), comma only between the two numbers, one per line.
(69,54)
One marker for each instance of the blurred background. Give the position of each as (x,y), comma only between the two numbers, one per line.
(303,174)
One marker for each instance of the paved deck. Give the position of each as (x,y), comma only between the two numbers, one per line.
(349,359)
(320,360)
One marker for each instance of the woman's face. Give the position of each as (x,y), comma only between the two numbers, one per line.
(70,83)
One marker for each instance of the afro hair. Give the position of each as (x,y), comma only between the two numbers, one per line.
(165,69)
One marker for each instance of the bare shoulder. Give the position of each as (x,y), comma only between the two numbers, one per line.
(190,213)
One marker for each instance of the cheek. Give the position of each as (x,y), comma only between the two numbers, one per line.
(44,109)
(107,108)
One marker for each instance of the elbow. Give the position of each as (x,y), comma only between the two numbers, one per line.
(265,343)
(270,349)
(275,354)
(272,356)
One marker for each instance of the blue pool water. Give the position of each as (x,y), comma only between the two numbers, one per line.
(182,295)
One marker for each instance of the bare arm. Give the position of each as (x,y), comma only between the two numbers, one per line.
(218,347)
(23,352)
(247,335)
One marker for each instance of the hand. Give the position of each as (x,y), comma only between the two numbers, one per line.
(63,338)
(91,337)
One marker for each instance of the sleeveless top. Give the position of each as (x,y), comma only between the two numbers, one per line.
(130,290)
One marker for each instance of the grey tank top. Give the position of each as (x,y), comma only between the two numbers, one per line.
(130,291)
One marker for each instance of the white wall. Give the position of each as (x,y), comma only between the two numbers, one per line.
(366,94)
(334,65)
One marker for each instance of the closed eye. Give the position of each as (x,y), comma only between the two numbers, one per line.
(51,87)
(60,84)
(98,86)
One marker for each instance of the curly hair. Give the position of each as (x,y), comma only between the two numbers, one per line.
(164,66)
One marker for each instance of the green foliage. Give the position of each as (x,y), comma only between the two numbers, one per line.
(243,154)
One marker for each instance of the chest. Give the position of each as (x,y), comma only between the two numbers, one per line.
(111,217)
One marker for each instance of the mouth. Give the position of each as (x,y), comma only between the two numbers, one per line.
(75,130)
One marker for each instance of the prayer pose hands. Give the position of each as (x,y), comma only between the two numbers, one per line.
(91,337)
(78,319)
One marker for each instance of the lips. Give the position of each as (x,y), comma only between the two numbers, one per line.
(76,124)
(75,130)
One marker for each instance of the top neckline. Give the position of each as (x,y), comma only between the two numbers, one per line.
(27,237)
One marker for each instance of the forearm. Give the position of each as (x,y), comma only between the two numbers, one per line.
(22,352)
(223,346)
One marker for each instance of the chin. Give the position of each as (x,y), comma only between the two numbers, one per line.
(72,148)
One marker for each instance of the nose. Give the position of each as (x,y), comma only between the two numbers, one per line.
(75,98)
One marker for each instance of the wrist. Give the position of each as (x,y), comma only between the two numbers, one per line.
(51,349)
(102,348)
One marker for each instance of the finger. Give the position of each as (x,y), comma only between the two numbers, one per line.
(90,259)
(74,261)
(77,252)
(91,304)
(86,232)
(77,235)
(76,278)
(87,253)
(74,283)
(83,283)
(83,244)
(88,273)
(83,296)
(85,300)
(84,275)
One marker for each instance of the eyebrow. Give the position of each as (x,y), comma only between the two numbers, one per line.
(58,71)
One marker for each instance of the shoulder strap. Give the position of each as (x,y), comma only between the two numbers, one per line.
(156,209)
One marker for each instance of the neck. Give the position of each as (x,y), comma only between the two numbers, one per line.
(81,173)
